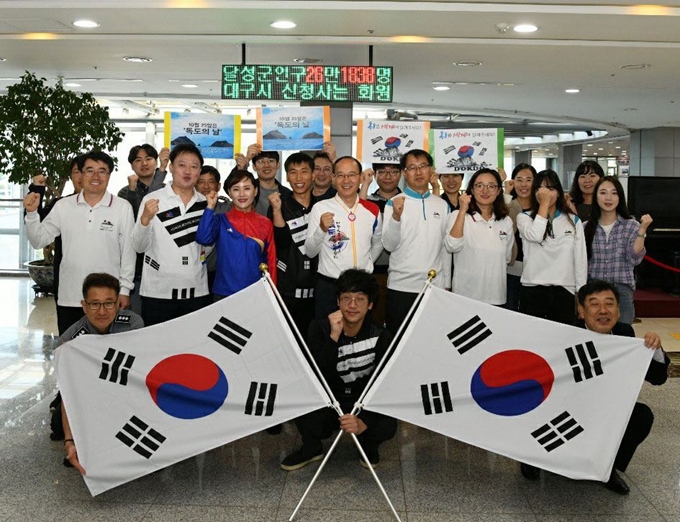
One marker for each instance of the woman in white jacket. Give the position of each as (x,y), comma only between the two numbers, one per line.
(555,260)
(481,238)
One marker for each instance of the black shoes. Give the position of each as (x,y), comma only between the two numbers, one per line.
(300,459)
(371,451)
(617,484)
(530,472)
(275,430)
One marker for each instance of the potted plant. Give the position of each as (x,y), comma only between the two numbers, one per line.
(44,127)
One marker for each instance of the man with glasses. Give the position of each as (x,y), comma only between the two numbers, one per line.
(344,232)
(95,228)
(414,230)
(323,172)
(102,316)
(347,346)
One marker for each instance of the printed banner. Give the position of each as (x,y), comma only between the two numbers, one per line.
(464,151)
(142,400)
(216,135)
(293,128)
(388,141)
(554,396)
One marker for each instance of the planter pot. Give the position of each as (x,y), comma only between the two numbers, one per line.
(42,275)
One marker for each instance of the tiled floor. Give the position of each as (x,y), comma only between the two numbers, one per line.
(427,476)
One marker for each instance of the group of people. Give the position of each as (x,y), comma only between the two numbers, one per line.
(180,246)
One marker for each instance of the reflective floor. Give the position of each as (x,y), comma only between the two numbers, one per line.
(428,477)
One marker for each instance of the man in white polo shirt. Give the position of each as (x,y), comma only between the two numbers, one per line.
(95,228)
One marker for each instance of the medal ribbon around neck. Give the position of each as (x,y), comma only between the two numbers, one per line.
(351,216)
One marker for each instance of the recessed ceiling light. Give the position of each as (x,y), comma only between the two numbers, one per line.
(572,91)
(3,59)
(618,147)
(525,28)
(467,63)
(86,24)
(71,84)
(190,85)
(137,59)
(600,148)
(594,153)
(633,66)
(306,60)
(589,145)
(283,24)
(441,87)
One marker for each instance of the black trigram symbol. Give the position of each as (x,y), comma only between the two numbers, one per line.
(469,334)
(376,139)
(436,398)
(261,397)
(584,361)
(230,335)
(450,149)
(152,263)
(140,437)
(558,431)
(115,366)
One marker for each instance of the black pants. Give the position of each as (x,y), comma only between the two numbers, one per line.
(312,425)
(555,303)
(397,307)
(302,312)
(638,428)
(67,315)
(156,311)
(325,297)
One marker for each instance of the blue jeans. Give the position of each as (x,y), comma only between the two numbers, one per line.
(626,303)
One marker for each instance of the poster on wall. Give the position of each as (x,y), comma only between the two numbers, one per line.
(217,136)
(466,150)
(387,141)
(293,128)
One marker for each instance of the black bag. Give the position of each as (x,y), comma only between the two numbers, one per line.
(55,421)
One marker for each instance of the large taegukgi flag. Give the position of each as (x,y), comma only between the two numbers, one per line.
(142,400)
(551,395)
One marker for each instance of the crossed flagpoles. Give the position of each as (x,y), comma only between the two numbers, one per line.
(334,402)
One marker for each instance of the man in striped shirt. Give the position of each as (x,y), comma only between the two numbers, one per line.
(347,347)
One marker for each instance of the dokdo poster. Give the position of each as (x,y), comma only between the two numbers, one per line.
(387,141)
(216,135)
(466,150)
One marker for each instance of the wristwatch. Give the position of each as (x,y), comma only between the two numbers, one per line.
(641,235)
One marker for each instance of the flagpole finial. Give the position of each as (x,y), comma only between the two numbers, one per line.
(264,268)
(431,274)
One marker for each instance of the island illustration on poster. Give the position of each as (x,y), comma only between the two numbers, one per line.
(293,128)
(217,136)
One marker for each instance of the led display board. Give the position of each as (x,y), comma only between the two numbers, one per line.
(323,83)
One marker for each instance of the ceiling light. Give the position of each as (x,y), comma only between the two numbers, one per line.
(441,87)
(572,91)
(618,147)
(3,59)
(306,60)
(86,24)
(594,153)
(137,59)
(467,63)
(634,66)
(600,148)
(283,24)
(189,85)
(525,28)
(71,84)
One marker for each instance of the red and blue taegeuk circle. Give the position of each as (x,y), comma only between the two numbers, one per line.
(392,142)
(187,386)
(466,151)
(512,382)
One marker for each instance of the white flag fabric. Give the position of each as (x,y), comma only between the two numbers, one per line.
(142,400)
(554,396)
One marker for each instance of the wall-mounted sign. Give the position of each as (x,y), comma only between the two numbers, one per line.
(327,83)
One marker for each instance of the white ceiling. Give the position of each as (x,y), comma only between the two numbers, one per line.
(580,44)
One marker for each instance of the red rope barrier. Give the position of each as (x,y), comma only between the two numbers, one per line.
(662,265)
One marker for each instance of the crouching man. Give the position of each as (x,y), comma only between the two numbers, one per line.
(347,347)
(102,316)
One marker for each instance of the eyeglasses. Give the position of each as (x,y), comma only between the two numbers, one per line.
(265,161)
(350,175)
(412,168)
(325,169)
(482,186)
(387,173)
(91,171)
(359,300)
(96,305)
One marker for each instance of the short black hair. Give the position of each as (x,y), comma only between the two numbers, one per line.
(323,155)
(149,149)
(185,148)
(100,280)
(272,154)
(77,161)
(416,153)
(97,155)
(595,287)
(237,176)
(335,164)
(209,169)
(299,158)
(377,166)
(354,280)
